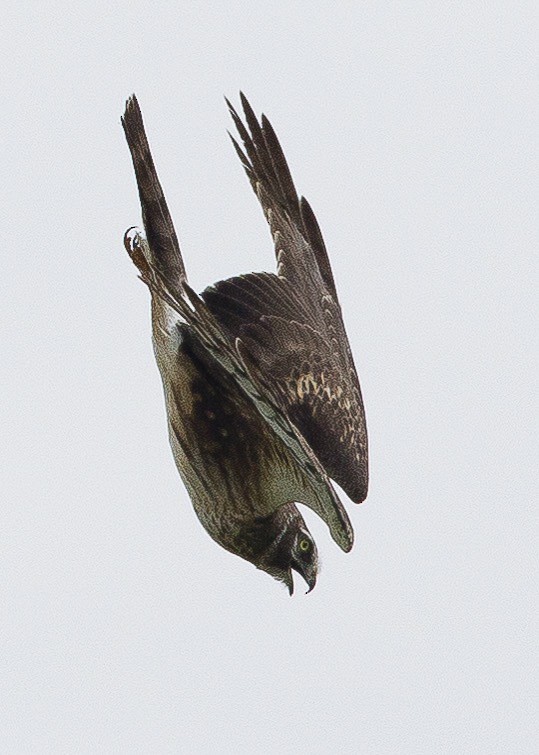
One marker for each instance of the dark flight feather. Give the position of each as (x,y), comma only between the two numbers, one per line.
(160,232)
(291,324)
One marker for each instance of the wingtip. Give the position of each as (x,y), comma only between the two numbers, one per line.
(359,495)
(246,105)
(132,111)
(131,102)
(349,543)
(345,540)
(342,532)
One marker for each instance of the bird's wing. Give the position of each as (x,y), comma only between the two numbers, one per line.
(301,253)
(301,366)
(214,346)
(160,233)
(292,323)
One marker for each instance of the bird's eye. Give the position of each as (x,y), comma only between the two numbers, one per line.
(304,545)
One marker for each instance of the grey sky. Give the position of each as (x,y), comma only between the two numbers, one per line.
(411,129)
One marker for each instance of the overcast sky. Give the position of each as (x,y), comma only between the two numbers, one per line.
(411,129)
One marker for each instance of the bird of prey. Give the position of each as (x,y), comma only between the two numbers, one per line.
(262,396)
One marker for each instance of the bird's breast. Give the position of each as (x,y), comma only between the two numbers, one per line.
(216,437)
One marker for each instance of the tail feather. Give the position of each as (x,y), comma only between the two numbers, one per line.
(161,236)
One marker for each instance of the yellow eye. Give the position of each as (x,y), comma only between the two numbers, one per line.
(304,545)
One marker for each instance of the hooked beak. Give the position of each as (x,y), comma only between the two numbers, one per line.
(309,574)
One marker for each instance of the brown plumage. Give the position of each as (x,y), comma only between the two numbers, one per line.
(262,396)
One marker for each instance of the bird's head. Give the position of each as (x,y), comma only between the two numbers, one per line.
(297,550)
(282,543)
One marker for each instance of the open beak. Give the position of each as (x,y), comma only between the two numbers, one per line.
(289,581)
(308,574)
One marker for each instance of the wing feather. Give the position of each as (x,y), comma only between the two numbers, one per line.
(300,363)
(160,234)
(302,296)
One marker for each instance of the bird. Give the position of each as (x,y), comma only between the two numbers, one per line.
(262,396)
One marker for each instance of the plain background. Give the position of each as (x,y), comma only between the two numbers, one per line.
(410,127)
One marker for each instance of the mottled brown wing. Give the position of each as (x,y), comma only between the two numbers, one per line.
(292,323)
(301,366)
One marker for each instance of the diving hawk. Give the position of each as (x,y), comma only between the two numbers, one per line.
(262,396)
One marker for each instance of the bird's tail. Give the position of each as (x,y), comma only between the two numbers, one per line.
(162,243)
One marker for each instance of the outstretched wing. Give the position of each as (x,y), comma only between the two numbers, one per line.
(301,253)
(160,234)
(291,324)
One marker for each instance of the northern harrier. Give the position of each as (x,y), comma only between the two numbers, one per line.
(262,396)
